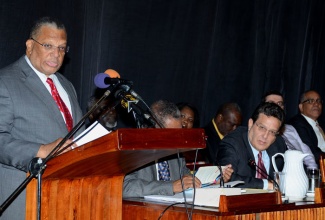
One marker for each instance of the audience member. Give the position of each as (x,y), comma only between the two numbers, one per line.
(259,142)
(306,123)
(38,107)
(190,115)
(149,180)
(105,113)
(228,117)
(190,119)
(289,133)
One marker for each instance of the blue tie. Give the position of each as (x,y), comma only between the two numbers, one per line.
(163,171)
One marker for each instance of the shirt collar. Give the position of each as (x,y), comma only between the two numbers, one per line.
(310,121)
(217,130)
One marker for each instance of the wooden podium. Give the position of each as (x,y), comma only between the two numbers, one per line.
(86,183)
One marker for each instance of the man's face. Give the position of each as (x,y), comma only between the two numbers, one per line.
(229,122)
(47,61)
(311,110)
(276,99)
(262,133)
(171,122)
(104,113)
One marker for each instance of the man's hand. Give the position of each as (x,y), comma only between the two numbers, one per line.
(45,149)
(270,185)
(227,172)
(188,183)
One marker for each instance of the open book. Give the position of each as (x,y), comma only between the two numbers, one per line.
(209,175)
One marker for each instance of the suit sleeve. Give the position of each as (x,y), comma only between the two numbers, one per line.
(303,134)
(231,153)
(13,152)
(144,181)
(141,183)
(308,137)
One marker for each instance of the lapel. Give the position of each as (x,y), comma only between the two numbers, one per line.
(249,152)
(310,128)
(35,85)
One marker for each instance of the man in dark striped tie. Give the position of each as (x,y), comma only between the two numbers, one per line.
(162,178)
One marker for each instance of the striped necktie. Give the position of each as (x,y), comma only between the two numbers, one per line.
(261,171)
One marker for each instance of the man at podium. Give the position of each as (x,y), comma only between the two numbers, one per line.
(38,106)
(162,177)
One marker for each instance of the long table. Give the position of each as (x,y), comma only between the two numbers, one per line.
(138,208)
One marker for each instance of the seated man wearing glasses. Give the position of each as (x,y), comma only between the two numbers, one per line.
(306,124)
(289,133)
(248,148)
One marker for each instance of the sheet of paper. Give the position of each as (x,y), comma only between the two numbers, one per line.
(178,197)
(208,196)
(94,131)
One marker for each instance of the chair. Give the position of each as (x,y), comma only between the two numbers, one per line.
(320,192)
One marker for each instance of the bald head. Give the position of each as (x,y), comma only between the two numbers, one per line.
(228,117)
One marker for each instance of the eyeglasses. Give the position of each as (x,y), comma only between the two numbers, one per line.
(312,101)
(263,129)
(50,47)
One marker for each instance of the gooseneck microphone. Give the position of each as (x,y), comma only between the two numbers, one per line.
(103,80)
(130,103)
(253,165)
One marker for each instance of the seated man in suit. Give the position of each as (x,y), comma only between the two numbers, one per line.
(227,119)
(259,142)
(152,179)
(105,113)
(306,124)
(289,133)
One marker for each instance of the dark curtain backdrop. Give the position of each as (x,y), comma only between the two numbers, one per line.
(201,51)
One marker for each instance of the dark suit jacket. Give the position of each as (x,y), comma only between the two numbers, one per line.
(307,134)
(29,118)
(212,143)
(234,149)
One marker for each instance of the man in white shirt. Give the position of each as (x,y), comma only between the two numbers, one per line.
(306,122)
(289,133)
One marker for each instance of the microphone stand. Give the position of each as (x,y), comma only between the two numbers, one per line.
(38,165)
(132,105)
(222,182)
(252,163)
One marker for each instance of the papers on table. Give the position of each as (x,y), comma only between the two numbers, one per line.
(208,196)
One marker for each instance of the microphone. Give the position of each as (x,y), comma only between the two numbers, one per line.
(104,80)
(127,100)
(100,80)
(131,91)
(253,165)
(130,103)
